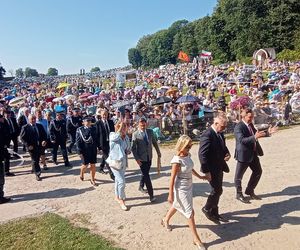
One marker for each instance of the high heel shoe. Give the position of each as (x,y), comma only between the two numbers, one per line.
(123,207)
(199,245)
(164,224)
(94,183)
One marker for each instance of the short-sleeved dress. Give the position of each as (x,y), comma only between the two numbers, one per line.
(183,187)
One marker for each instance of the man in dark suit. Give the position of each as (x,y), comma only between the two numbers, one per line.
(33,135)
(73,123)
(3,146)
(213,155)
(104,126)
(23,120)
(58,138)
(247,151)
(14,129)
(6,154)
(142,141)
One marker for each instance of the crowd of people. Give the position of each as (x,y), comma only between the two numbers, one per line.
(94,116)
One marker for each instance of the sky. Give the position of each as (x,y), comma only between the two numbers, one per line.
(70,35)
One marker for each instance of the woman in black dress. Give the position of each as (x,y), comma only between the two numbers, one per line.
(86,141)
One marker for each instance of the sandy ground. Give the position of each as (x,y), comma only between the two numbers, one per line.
(272,223)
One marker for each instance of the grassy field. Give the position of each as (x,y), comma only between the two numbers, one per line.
(49,231)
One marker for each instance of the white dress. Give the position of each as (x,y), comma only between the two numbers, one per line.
(183,187)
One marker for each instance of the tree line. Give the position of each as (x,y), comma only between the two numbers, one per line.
(234,31)
(29,72)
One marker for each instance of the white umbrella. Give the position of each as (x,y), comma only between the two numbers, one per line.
(57,99)
(72,97)
(138,88)
(16,101)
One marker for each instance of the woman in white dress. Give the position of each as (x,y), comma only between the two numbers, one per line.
(181,187)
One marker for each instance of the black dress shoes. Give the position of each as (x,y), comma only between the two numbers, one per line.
(241,198)
(68,164)
(221,218)
(253,196)
(9,174)
(210,216)
(102,171)
(4,200)
(143,190)
(38,178)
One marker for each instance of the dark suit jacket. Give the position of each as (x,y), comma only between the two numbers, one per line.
(4,139)
(29,137)
(16,127)
(102,136)
(244,149)
(140,148)
(212,152)
(6,131)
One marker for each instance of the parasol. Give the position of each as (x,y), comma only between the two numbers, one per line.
(161,100)
(85,95)
(49,99)
(63,85)
(187,99)
(70,97)
(139,88)
(93,96)
(58,99)
(16,101)
(240,102)
(122,104)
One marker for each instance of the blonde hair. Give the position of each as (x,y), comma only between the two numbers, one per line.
(182,142)
(120,125)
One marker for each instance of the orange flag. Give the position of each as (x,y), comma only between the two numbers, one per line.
(183,56)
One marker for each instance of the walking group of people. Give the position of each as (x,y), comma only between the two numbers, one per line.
(213,156)
(113,141)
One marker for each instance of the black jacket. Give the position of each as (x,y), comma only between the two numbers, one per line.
(30,138)
(73,123)
(86,139)
(244,147)
(212,152)
(15,131)
(101,133)
(58,131)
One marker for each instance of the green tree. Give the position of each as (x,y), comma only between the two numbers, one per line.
(134,57)
(52,72)
(2,72)
(19,73)
(95,69)
(29,72)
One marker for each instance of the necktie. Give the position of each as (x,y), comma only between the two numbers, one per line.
(106,127)
(250,129)
(252,133)
(221,140)
(145,137)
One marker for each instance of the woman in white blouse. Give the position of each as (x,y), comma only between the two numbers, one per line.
(181,188)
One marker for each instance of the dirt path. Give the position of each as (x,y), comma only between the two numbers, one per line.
(273,223)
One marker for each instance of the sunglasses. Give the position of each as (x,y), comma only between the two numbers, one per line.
(189,146)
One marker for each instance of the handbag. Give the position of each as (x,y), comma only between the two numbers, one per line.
(115,164)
